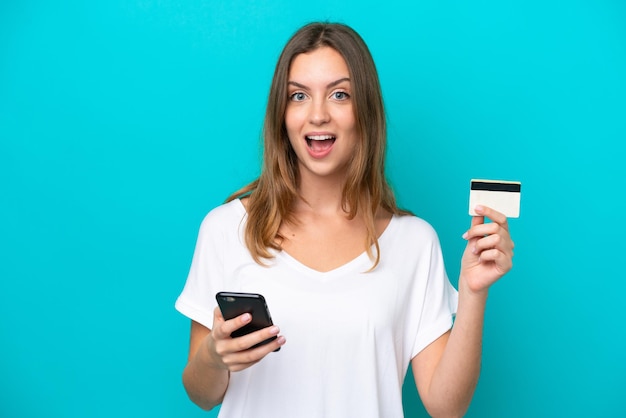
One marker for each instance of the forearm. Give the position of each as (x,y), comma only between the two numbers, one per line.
(456,375)
(204,382)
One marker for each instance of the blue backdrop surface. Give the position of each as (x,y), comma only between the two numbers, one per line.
(123,122)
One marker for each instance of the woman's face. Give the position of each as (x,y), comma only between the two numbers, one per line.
(319,116)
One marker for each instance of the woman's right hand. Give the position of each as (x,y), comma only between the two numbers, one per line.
(235,354)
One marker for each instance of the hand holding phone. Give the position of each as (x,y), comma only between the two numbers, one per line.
(233,304)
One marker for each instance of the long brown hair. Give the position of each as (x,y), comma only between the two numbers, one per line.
(366,191)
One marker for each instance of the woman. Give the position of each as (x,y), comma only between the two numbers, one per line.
(357,285)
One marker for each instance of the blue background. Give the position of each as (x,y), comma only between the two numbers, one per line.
(123,122)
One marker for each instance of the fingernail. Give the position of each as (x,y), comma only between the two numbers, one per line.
(274,330)
(474,250)
(465,235)
(281,340)
(246,317)
(479,208)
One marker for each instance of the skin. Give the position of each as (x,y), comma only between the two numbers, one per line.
(446,372)
(320,103)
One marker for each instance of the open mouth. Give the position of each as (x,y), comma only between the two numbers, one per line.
(320,142)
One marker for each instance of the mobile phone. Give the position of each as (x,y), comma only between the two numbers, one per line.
(233,304)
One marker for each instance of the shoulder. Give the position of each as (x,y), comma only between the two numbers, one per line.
(409,232)
(415,226)
(223,217)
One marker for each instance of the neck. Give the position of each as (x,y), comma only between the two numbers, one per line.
(321,194)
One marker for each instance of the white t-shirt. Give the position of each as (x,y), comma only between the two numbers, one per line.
(350,333)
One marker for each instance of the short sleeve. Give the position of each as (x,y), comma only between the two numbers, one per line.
(197,300)
(439,302)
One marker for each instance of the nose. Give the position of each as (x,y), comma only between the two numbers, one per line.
(319,112)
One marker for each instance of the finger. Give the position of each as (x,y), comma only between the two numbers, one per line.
(224,328)
(218,320)
(501,241)
(503,262)
(476,220)
(240,360)
(488,243)
(244,359)
(481,230)
(488,247)
(493,214)
(248,341)
(228,346)
(234,324)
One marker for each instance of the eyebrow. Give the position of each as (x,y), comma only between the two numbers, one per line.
(329,85)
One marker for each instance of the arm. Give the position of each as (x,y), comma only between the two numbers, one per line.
(213,355)
(446,372)
(204,382)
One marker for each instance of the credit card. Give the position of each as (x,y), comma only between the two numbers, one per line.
(503,196)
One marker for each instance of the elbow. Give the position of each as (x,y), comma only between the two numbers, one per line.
(448,409)
(201,402)
(205,406)
(446,412)
(197,395)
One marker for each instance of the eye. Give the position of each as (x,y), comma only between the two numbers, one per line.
(340,95)
(297,96)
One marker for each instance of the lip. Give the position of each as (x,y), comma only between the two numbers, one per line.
(312,136)
(320,133)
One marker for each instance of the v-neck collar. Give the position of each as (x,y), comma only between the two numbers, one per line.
(360,263)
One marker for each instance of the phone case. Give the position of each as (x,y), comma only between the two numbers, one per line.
(233,304)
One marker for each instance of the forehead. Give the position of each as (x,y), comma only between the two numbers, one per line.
(320,64)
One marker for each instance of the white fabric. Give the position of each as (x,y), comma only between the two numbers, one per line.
(350,333)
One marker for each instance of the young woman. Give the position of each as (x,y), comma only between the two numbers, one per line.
(357,286)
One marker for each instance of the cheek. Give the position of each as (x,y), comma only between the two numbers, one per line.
(348,122)
(292,127)
(345,114)
(292,121)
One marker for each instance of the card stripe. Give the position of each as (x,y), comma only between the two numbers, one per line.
(496,187)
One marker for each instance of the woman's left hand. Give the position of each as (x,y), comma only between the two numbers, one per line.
(489,252)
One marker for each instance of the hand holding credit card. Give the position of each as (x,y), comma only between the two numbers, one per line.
(503,196)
